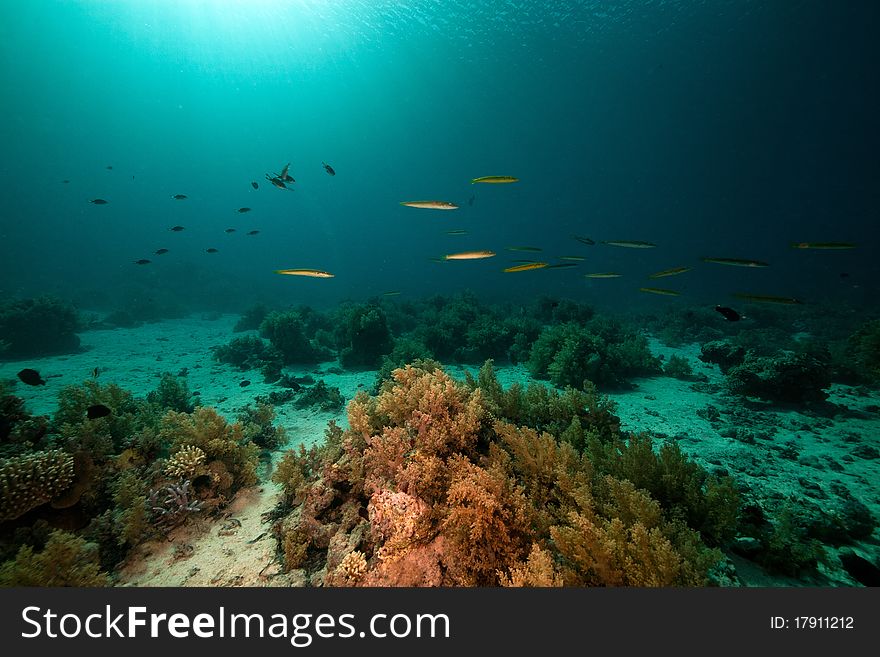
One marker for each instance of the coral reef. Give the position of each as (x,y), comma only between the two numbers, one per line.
(787,377)
(327,398)
(286,330)
(31,480)
(185,462)
(251,318)
(602,351)
(230,459)
(172,394)
(257,426)
(172,505)
(38,327)
(248,352)
(66,560)
(19,430)
(362,335)
(723,354)
(427,488)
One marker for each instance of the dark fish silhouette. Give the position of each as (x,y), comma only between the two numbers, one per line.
(229,230)
(31,377)
(244,384)
(96,411)
(65,181)
(109,168)
(844,275)
(253,232)
(243,210)
(176,229)
(328,169)
(728,313)
(142,261)
(471,199)
(211,250)
(95,373)
(284,176)
(99,201)
(178,197)
(584,240)
(160,251)
(255,185)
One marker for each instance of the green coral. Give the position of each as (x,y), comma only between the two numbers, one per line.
(362,335)
(602,351)
(787,377)
(247,352)
(172,394)
(706,503)
(66,560)
(257,426)
(286,330)
(251,319)
(38,327)
(327,398)
(104,435)
(573,413)
(19,430)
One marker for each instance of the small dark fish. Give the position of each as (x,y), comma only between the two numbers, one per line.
(176,229)
(96,411)
(244,384)
(142,261)
(65,181)
(197,394)
(284,176)
(584,240)
(253,232)
(109,168)
(243,210)
(254,184)
(728,313)
(276,182)
(99,201)
(229,230)
(211,250)
(31,377)
(328,169)
(472,199)
(179,197)
(562,265)
(843,274)
(160,251)
(95,373)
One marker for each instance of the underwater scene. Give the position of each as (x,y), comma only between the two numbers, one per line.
(461,294)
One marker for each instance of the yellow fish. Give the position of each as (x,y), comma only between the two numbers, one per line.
(469,255)
(525,267)
(313,273)
(495,179)
(430,205)
(670,272)
(660,291)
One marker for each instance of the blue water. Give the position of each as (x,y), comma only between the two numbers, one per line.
(722,128)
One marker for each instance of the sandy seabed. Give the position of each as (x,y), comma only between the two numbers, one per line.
(237,548)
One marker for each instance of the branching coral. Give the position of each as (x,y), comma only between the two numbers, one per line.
(229,457)
(185,463)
